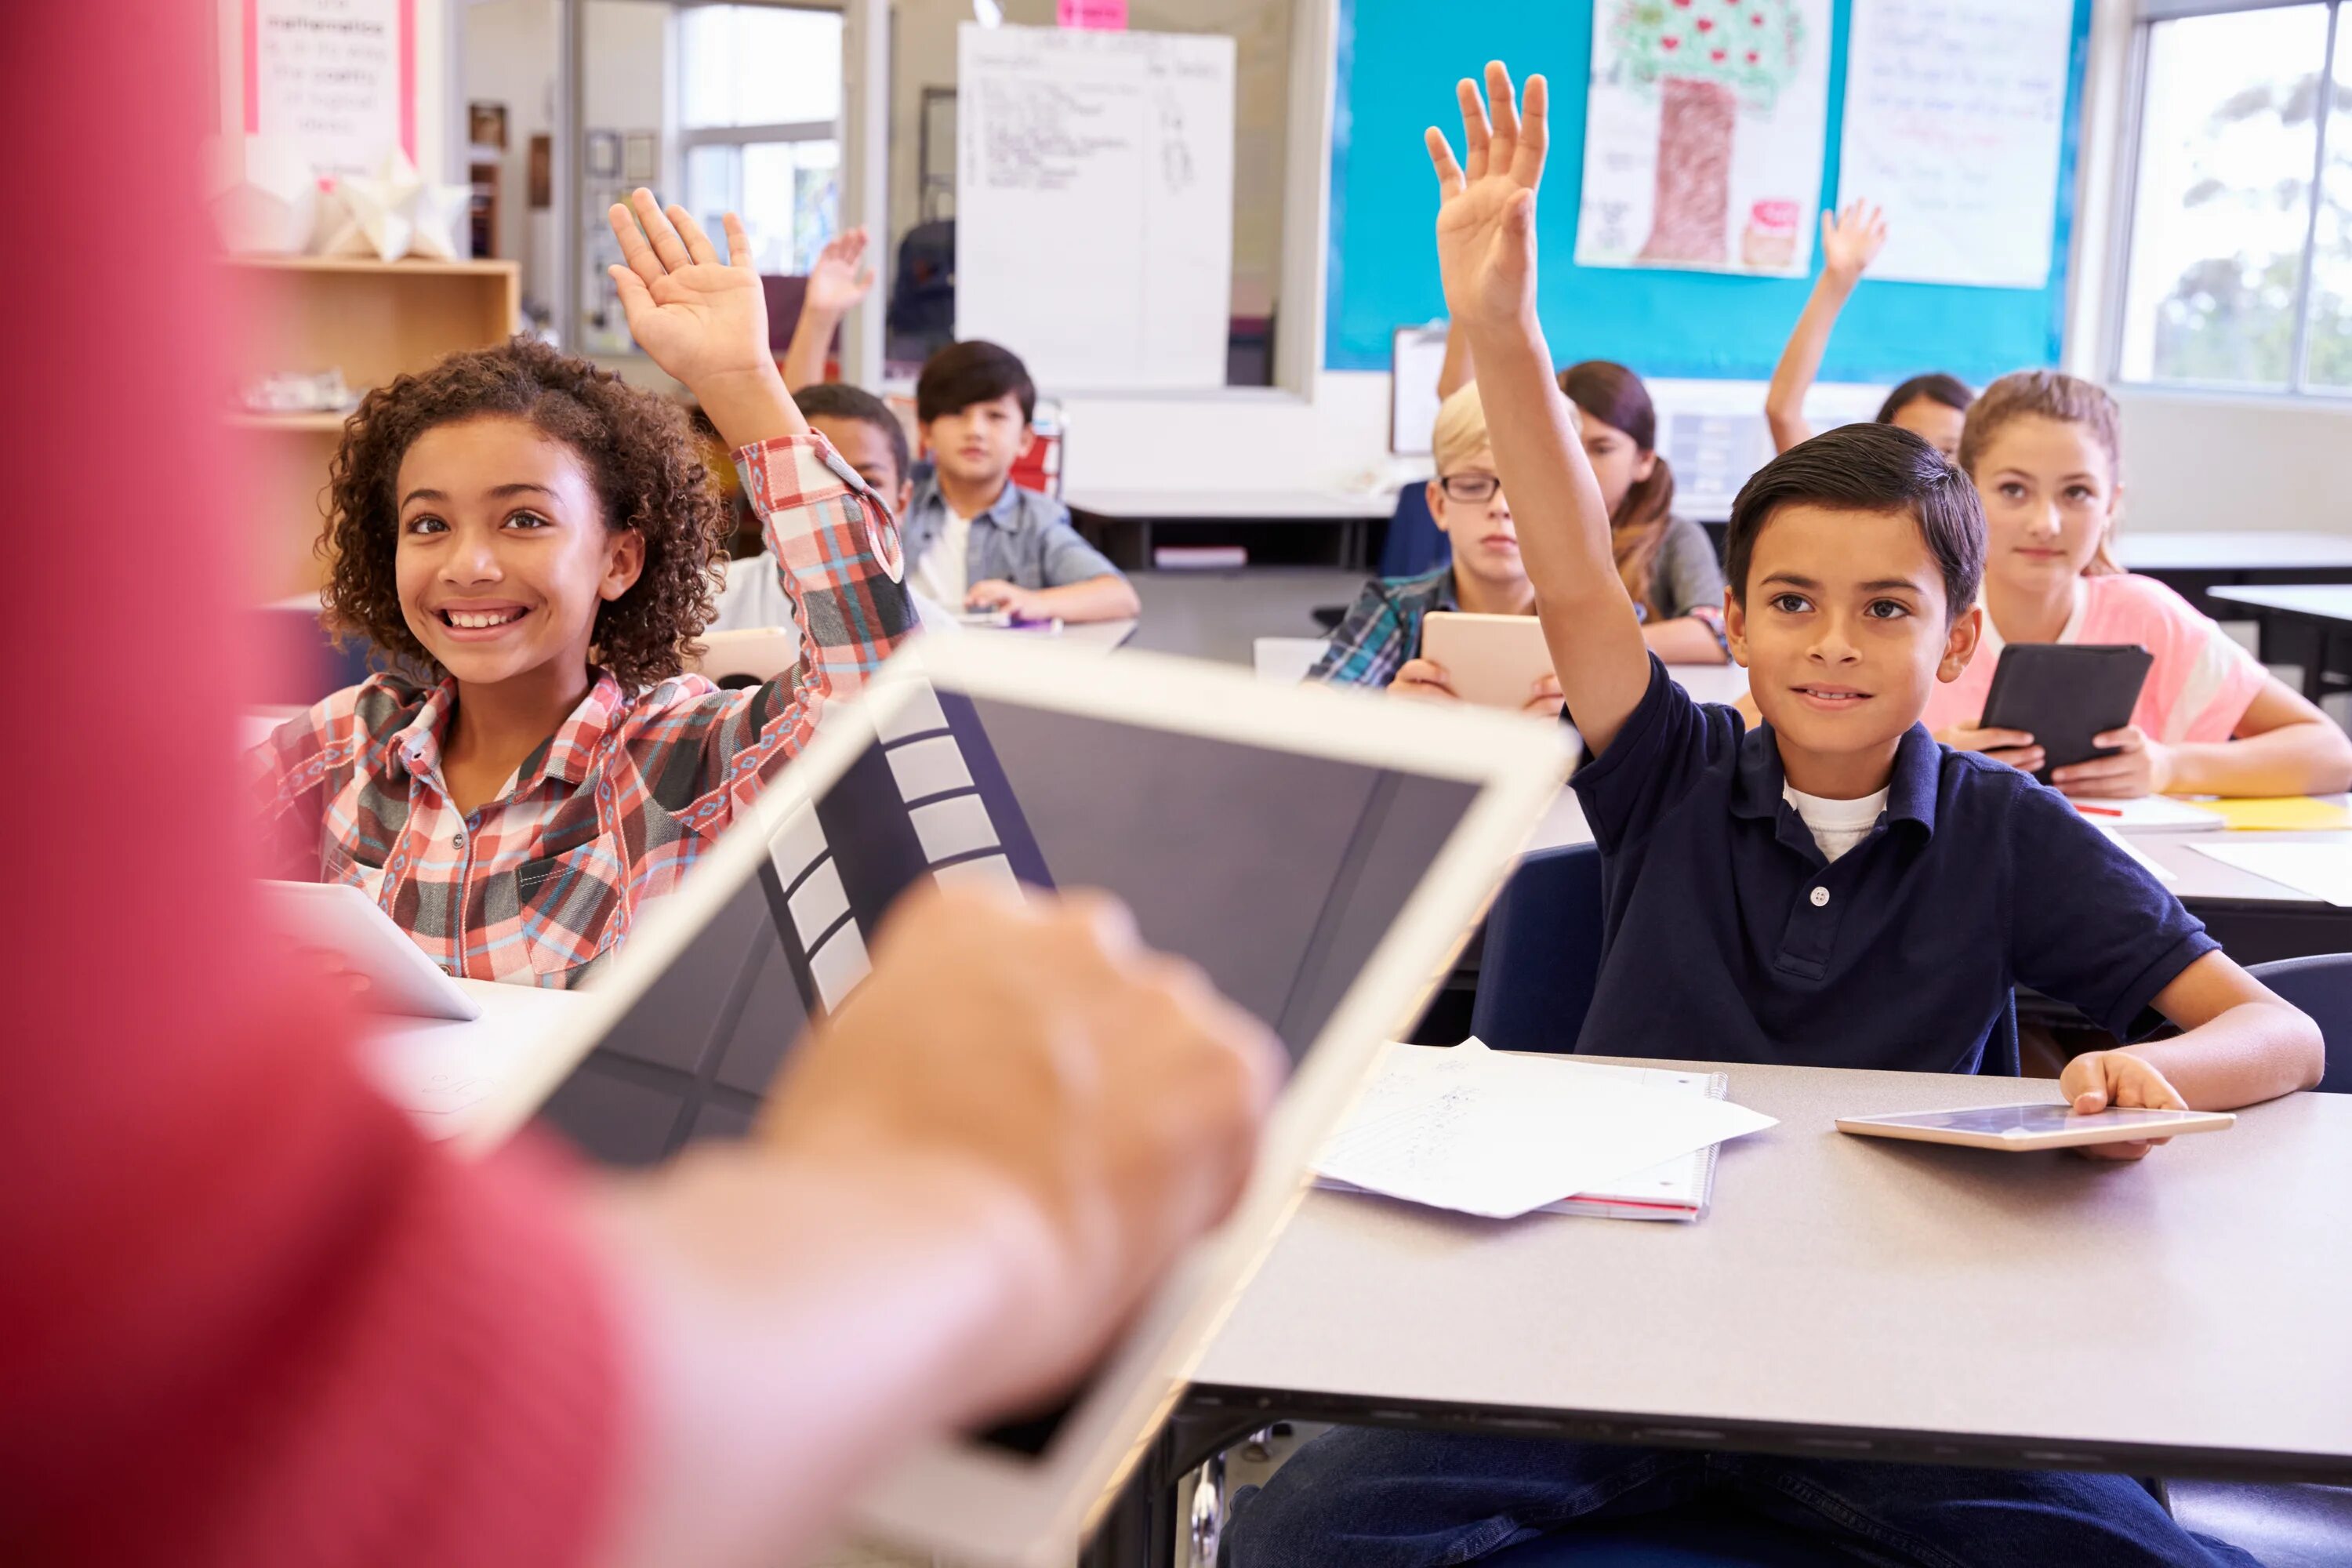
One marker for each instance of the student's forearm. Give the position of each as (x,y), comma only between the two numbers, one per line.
(791,1327)
(804,356)
(1456,370)
(2253,1052)
(1801,361)
(1686,639)
(1104,598)
(1589,620)
(2293,759)
(750,407)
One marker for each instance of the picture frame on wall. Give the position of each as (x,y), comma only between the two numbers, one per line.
(603,155)
(486,125)
(641,156)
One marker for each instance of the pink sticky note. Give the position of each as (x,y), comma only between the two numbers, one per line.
(1103,15)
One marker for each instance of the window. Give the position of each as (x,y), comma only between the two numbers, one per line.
(2239,273)
(759,100)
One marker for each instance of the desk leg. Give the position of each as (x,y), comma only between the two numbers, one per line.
(1139,1531)
(2315,673)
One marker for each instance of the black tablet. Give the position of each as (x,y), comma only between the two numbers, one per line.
(2062,694)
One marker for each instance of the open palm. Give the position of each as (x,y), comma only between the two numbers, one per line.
(1851,239)
(1485,221)
(839,281)
(698,318)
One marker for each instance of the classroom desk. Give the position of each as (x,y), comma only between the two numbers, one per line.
(1143,510)
(2315,613)
(2180,1317)
(2255,919)
(2194,563)
(439,1070)
(1094,636)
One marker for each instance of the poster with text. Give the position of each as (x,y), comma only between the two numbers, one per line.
(1704,133)
(1955,110)
(336,77)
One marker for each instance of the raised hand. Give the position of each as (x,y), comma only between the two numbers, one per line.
(1851,239)
(702,320)
(1485,221)
(839,280)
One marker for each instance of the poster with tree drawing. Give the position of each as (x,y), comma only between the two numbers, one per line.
(1704,131)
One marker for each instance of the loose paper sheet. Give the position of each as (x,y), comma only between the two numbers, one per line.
(1703,136)
(2322,870)
(1954,113)
(1499,1136)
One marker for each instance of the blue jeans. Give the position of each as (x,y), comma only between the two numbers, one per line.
(1376,1499)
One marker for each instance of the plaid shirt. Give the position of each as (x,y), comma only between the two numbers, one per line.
(540,884)
(1382,630)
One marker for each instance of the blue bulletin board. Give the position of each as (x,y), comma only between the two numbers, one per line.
(1398,61)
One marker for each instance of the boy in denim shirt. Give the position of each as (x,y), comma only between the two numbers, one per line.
(977,541)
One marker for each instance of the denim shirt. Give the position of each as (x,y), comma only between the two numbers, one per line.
(1024,539)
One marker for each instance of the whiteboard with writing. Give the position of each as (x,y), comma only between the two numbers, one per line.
(1955,111)
(1095,203)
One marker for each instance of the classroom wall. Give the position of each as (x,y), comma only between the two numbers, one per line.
(509,58)
(2192,462)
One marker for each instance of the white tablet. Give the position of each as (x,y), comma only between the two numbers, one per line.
(1322,854)
(2015,1129)
(1493,661)
(345,921)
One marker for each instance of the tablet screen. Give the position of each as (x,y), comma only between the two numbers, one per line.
(1276,871)
(1999,1119)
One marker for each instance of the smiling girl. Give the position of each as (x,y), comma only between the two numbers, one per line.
(539,538)
(2045,450)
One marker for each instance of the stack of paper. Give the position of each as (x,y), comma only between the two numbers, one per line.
(2281,814)
(1489,1133)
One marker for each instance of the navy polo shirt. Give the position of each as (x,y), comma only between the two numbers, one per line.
(1729,937)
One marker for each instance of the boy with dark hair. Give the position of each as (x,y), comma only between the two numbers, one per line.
(872,442)
(1830,889)
(977,541)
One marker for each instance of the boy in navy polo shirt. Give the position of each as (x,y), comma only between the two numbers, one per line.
(1832,889)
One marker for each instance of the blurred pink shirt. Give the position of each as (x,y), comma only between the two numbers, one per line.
(2199,688)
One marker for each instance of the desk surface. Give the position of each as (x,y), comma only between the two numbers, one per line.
(1229,505)
(2328,601)
(1900,1300)
(439,1070)
(1102,635)
(2229,550)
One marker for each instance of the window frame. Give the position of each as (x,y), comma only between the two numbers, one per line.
(2298,388)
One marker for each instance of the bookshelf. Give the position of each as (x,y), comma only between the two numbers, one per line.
(370,319)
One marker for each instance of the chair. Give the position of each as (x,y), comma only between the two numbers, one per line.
(1542,954)
(2322,986)
(1284,661)
(1415,544)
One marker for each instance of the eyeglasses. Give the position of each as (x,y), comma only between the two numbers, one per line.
(1469,487)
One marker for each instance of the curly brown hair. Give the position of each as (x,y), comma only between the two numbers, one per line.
(638,449)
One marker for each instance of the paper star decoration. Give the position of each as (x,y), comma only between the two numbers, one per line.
(397,212)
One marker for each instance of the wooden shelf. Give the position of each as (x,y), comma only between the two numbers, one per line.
(372,320)
(331,423)
(414,266)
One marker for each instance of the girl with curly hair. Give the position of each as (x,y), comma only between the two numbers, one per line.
(540,542)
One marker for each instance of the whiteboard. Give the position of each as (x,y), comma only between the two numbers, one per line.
(1095,203)
(1955,110)
(1416,361)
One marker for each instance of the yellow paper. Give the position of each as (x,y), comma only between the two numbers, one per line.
(2279,814)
